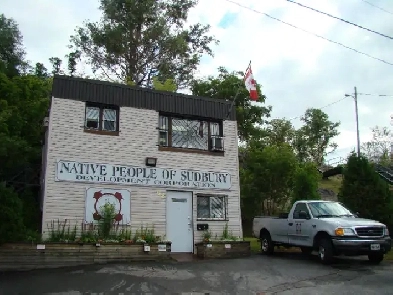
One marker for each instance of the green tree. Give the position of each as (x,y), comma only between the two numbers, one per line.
(12,53)
(280,131)
(137,40)
(11,219)
(24,102)
(225,86)
(168,85)
(305,183)
(364,191)
(266,179)
(377,150)
(314,138)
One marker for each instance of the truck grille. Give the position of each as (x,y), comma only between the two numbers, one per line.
(371,231)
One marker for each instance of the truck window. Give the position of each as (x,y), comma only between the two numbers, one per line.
(299,207)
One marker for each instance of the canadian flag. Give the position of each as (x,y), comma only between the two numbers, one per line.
(250,83)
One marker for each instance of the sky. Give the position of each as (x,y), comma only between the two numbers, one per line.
(297,70)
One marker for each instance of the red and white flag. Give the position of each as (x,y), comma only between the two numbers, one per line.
(250,83)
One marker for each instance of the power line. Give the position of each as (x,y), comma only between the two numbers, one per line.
(328,105)
(340,19)
(377,7)
(368,94)
(308,32)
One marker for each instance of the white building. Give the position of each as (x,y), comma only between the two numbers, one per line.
(167,159)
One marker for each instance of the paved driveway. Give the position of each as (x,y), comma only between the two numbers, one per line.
(285,273)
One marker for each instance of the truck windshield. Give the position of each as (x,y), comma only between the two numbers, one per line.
(329,209)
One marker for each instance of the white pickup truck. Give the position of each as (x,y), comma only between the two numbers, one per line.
(325,226)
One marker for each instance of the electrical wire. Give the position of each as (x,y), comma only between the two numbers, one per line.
(373,5)
(325,106)
(368,94)
(340,19)
(308,32)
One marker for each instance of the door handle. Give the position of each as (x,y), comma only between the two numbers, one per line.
(290,224)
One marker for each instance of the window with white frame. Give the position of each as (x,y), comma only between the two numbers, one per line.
(188,133)
(101,117)
(211,207)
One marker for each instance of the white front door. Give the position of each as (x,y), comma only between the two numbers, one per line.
(179,220)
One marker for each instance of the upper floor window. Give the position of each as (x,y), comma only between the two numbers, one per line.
(190,134)
(101,118)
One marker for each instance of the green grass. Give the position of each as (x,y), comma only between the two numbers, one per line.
(333,183)
(256,246)
(389,256)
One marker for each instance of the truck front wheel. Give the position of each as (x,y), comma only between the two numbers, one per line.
(267,246)
(325,250)
(375,258)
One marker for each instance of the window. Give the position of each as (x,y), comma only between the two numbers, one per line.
(300,207)
(211,207)
(101,118)
(190,134)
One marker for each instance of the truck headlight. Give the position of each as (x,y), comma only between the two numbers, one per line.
(387,232)
(342,231)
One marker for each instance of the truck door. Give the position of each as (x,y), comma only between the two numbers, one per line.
(300,226)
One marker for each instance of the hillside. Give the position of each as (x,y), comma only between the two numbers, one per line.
(332,183)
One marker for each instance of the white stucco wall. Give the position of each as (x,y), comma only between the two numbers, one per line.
(137,140)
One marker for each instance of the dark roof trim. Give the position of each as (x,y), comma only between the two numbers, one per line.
(137,97)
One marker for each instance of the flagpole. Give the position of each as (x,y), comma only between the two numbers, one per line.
(237,93)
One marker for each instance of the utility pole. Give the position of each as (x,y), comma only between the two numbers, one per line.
(357,120)
(355,96)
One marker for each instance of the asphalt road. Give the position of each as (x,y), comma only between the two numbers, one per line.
(284,273)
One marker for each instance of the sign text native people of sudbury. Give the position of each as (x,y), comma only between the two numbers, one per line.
(147,176)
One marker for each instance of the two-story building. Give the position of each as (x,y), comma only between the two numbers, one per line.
(167,160)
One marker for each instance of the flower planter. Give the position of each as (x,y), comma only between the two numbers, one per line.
(223,249)
(27,256)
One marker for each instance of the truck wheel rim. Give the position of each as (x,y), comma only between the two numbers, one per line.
(265,245)
(321,252)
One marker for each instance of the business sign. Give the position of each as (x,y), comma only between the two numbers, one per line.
(146,176)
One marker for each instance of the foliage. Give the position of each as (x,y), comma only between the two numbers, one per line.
(11,218)
(305,183)
(11,48)
(364,191)
(378,149)
(168,85)
(227,86)
(138,40)
(105,224)
(61,231)
(206,235)
(266,178)
(314,138)
(280,131)
(227,235)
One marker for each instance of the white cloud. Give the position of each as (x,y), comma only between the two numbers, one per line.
(297,70)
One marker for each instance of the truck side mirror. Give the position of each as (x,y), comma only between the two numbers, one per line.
(303,215)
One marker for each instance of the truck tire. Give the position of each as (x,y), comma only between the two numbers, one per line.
(325,250)
(267,246)
(306,250)
(375,258)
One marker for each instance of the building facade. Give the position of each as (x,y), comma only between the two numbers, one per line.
(166,160)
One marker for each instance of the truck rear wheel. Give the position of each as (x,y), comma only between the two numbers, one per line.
(375,258)
(267,246)
(325,250)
